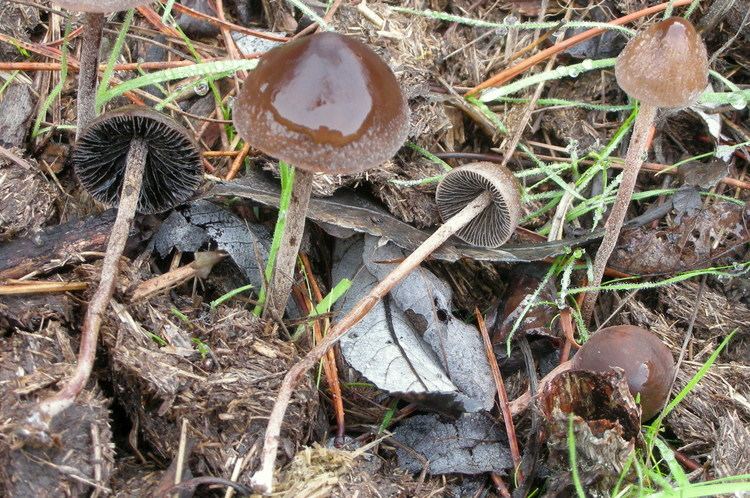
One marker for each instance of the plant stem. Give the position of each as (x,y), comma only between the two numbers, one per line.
(262,480)
(93,25)
(633,160)
(131,189)
(280,286)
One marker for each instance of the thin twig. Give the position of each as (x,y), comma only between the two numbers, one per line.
(502,394)
(239,160)
(329,362)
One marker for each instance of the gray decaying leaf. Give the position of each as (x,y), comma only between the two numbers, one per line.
(473,444)
(410,343)
(686,202)
(712,235)
(253,45)
(246,243)
(176,233)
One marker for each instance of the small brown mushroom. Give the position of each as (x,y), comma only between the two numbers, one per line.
(118,153)
(93,25)
(494,225)
(325,103)
(645,360)
(664,66)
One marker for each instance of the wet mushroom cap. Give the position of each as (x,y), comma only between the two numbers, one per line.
(173,169)
(325,103)
(666,65)
(646,361)
(493,226)
(101,6)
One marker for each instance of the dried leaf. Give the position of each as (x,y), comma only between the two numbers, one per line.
(254,45)
(16,112)
(384,346)
(246,243)
(175,232)
(697,241)
(686,201)
(346,209)
(539,318)
(703,175)
(473,444)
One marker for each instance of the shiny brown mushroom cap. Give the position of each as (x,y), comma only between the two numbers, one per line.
(493,226)
(645,359)
(173,169)
(665,65)
(101,6)
(325,103)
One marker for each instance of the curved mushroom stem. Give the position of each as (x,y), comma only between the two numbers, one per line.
(633,161)
(93,25)
(262,480)
(280,286)
(131,189)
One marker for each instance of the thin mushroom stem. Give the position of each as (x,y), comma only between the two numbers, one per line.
(93,25)
(262,480)
(131,189)
(280,286)
(633,160)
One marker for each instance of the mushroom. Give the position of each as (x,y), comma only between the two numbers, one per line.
(93,25)
(494,225)
(139,160)
(645,360)
(482,197)
(665,66)
(325,103)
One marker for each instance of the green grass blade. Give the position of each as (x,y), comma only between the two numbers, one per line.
(287,184)
(167,14)
(215,68)
(305,9)
(325,305)
(656,425)
(229,295)
(478,23)
(571,71)
(573,459)
(53,94)
(675,469)
(113,56)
